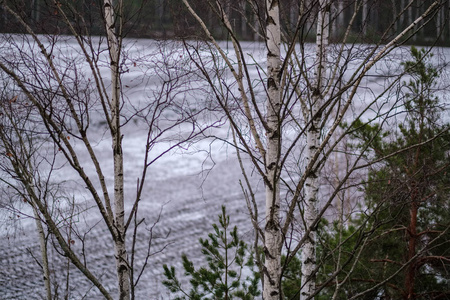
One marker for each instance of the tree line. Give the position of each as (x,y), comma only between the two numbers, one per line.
(303,122)
(169,19)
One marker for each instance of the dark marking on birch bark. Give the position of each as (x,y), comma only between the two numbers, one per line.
(275,134)
(121,214)
(271,282)
(271,166)
(117,150)
(122,268)
(273,293)
(316,92)
(309,260)
(271,84)
(270,20)
(312,174)
(312,128)
(271,225)
(279,73)
(273,4)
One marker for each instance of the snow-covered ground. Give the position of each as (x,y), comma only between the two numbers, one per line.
(185,187)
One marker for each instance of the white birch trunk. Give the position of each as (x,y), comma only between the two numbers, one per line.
(308,258)
(338,24)
(243,21)
(35,7)
(44,254)
(272,231)
(439,24)
(364,17)
(119,211)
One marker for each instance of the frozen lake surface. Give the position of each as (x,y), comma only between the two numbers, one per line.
(185,187)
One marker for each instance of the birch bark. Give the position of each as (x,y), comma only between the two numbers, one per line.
(364,18)
(308,258)
(272,231)
(114,44)
(44,254)
(338,17)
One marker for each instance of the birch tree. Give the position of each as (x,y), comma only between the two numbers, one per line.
(313,142)
(289,125)
(13,124)
(61,82)
(115,39)
(272,233)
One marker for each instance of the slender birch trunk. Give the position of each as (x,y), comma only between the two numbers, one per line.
(364,18)
(243,20)
(114,42)
(308,258)
(35,7)
(439,24)
(272,231)
(44,254)
(338,24)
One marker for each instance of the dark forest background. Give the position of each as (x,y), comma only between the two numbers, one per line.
(168,19)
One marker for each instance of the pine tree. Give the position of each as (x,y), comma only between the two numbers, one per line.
(224,276)
(407,252)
